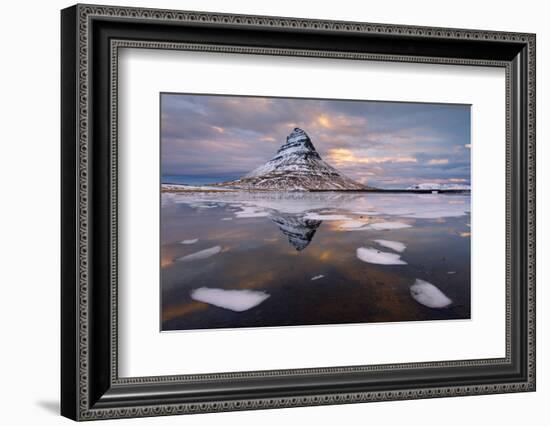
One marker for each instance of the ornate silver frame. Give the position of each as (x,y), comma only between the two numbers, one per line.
(91,388)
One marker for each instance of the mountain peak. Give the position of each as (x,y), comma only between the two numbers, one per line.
(298,142)
(296,166)
(297,131)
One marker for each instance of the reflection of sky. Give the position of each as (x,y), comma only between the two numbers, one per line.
(386,144)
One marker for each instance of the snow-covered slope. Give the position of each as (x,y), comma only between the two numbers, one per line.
(296,166)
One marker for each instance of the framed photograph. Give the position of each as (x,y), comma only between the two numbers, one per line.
(263,212)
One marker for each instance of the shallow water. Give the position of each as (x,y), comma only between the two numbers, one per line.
(277,259)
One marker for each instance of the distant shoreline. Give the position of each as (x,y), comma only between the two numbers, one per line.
(179,187)
(414,191)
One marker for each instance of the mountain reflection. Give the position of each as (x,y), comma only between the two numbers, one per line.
(299,214)
(299,230)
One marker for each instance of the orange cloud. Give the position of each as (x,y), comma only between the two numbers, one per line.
(436,162)
(324,121)
(342,155)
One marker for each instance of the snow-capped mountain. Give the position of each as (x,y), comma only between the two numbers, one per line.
(439,186)
(296,166)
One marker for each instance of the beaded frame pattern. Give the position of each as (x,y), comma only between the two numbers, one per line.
(86,12)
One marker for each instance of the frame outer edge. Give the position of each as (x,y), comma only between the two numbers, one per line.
(69,192)
(83,13)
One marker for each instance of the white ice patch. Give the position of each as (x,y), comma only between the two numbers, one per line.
(317,216)
(429,295)
(203,205)
(384,226)
(435,214)
(191,241)
(366,213)
(251,211)
(394,245)
(227,218)
(203,254)
(234,300)
(370,255)
(317,277)
(352,225)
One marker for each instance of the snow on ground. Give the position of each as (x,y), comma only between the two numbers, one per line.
(394,245)
(371,255)
(192,241)
(317,277)
(439,186)
(233,300)
(429,295)
(174,187)
(203,254)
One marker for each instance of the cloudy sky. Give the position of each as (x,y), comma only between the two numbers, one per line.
(384,144)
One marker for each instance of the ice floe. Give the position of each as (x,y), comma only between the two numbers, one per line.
(429,295)
(203,254)
(191,241)
(317,277)
(394,245)
(317,216)
(233,300)
(227,218)
(204,205)
(371,255)
(251,211)
(351,225)
(366,213)
(385,226)
(434,214)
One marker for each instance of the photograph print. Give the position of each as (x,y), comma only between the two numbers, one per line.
(300,212)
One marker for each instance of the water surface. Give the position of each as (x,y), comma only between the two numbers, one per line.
(249,259)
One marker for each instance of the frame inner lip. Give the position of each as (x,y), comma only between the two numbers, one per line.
(115,45)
